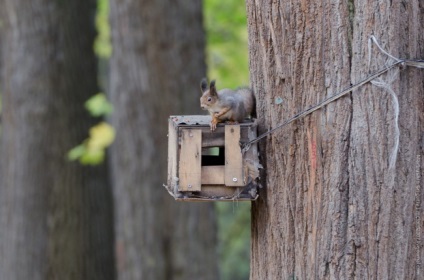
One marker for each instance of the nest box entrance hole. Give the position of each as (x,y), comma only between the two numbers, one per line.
(213,156)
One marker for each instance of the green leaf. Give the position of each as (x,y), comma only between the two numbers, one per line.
(93,157)
(76,152)
(101,136)
(98,105)
(92,150)
(102,44)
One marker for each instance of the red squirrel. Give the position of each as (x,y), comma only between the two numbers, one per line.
(228,105)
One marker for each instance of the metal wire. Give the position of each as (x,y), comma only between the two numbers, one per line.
(415,63)
(401,62)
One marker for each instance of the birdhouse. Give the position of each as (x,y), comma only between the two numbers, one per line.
(205,165)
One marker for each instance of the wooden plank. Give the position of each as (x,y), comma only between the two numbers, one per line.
(213,138)
(233,157)
(196,121)
(189,199)
(213,175)
(217,138)
(220,191)
(190,160)
(209,138)
(172,154)
(214,193)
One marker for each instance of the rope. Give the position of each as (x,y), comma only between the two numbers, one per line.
(398,62)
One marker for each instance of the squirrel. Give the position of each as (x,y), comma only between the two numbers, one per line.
(228,105)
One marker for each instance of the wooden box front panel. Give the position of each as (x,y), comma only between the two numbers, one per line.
(190,160)
(233,157)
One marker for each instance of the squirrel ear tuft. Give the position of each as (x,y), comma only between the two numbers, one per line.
(204,85)
(212,88)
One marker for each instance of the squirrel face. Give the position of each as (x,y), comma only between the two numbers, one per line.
(209,96)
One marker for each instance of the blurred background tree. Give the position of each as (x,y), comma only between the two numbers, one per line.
(227,61)
(225,25)
(158,59)
(55,216)
(2,26)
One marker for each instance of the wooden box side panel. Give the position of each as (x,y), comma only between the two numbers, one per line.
(233,157)
(172,156)
(211,183)
(190,160)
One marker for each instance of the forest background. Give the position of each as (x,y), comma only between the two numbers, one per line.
(227,62)
(332,206)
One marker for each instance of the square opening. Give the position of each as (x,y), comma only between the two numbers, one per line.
(213,156)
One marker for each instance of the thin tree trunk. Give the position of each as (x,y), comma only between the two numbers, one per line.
(157,63)
(55,216)
(332,207)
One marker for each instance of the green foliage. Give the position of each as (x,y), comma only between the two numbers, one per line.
(93,150)
(227,60)
(102,44)
(98,105)
(234,240)
(227,42)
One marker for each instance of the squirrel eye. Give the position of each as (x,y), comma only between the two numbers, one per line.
(209,98)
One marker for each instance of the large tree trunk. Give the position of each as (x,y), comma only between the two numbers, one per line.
(155,69)
(2,47)
(55,216)
(332,208)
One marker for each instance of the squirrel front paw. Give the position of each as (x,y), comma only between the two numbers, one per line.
(214,122)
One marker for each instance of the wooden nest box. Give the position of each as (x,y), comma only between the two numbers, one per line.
(210,166)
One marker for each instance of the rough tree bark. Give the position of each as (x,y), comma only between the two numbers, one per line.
(155,69)
(55,216)
(332,208)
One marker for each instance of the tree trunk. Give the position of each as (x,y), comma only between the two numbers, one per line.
(2,45)
(55,216)
(155,70)
(332,208)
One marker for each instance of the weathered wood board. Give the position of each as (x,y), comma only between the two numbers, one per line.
(190,160)
(212,175)
(233,157)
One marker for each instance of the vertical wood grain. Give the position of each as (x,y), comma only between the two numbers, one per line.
(190,160)
(55,215)
(233,157)
(331,207)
